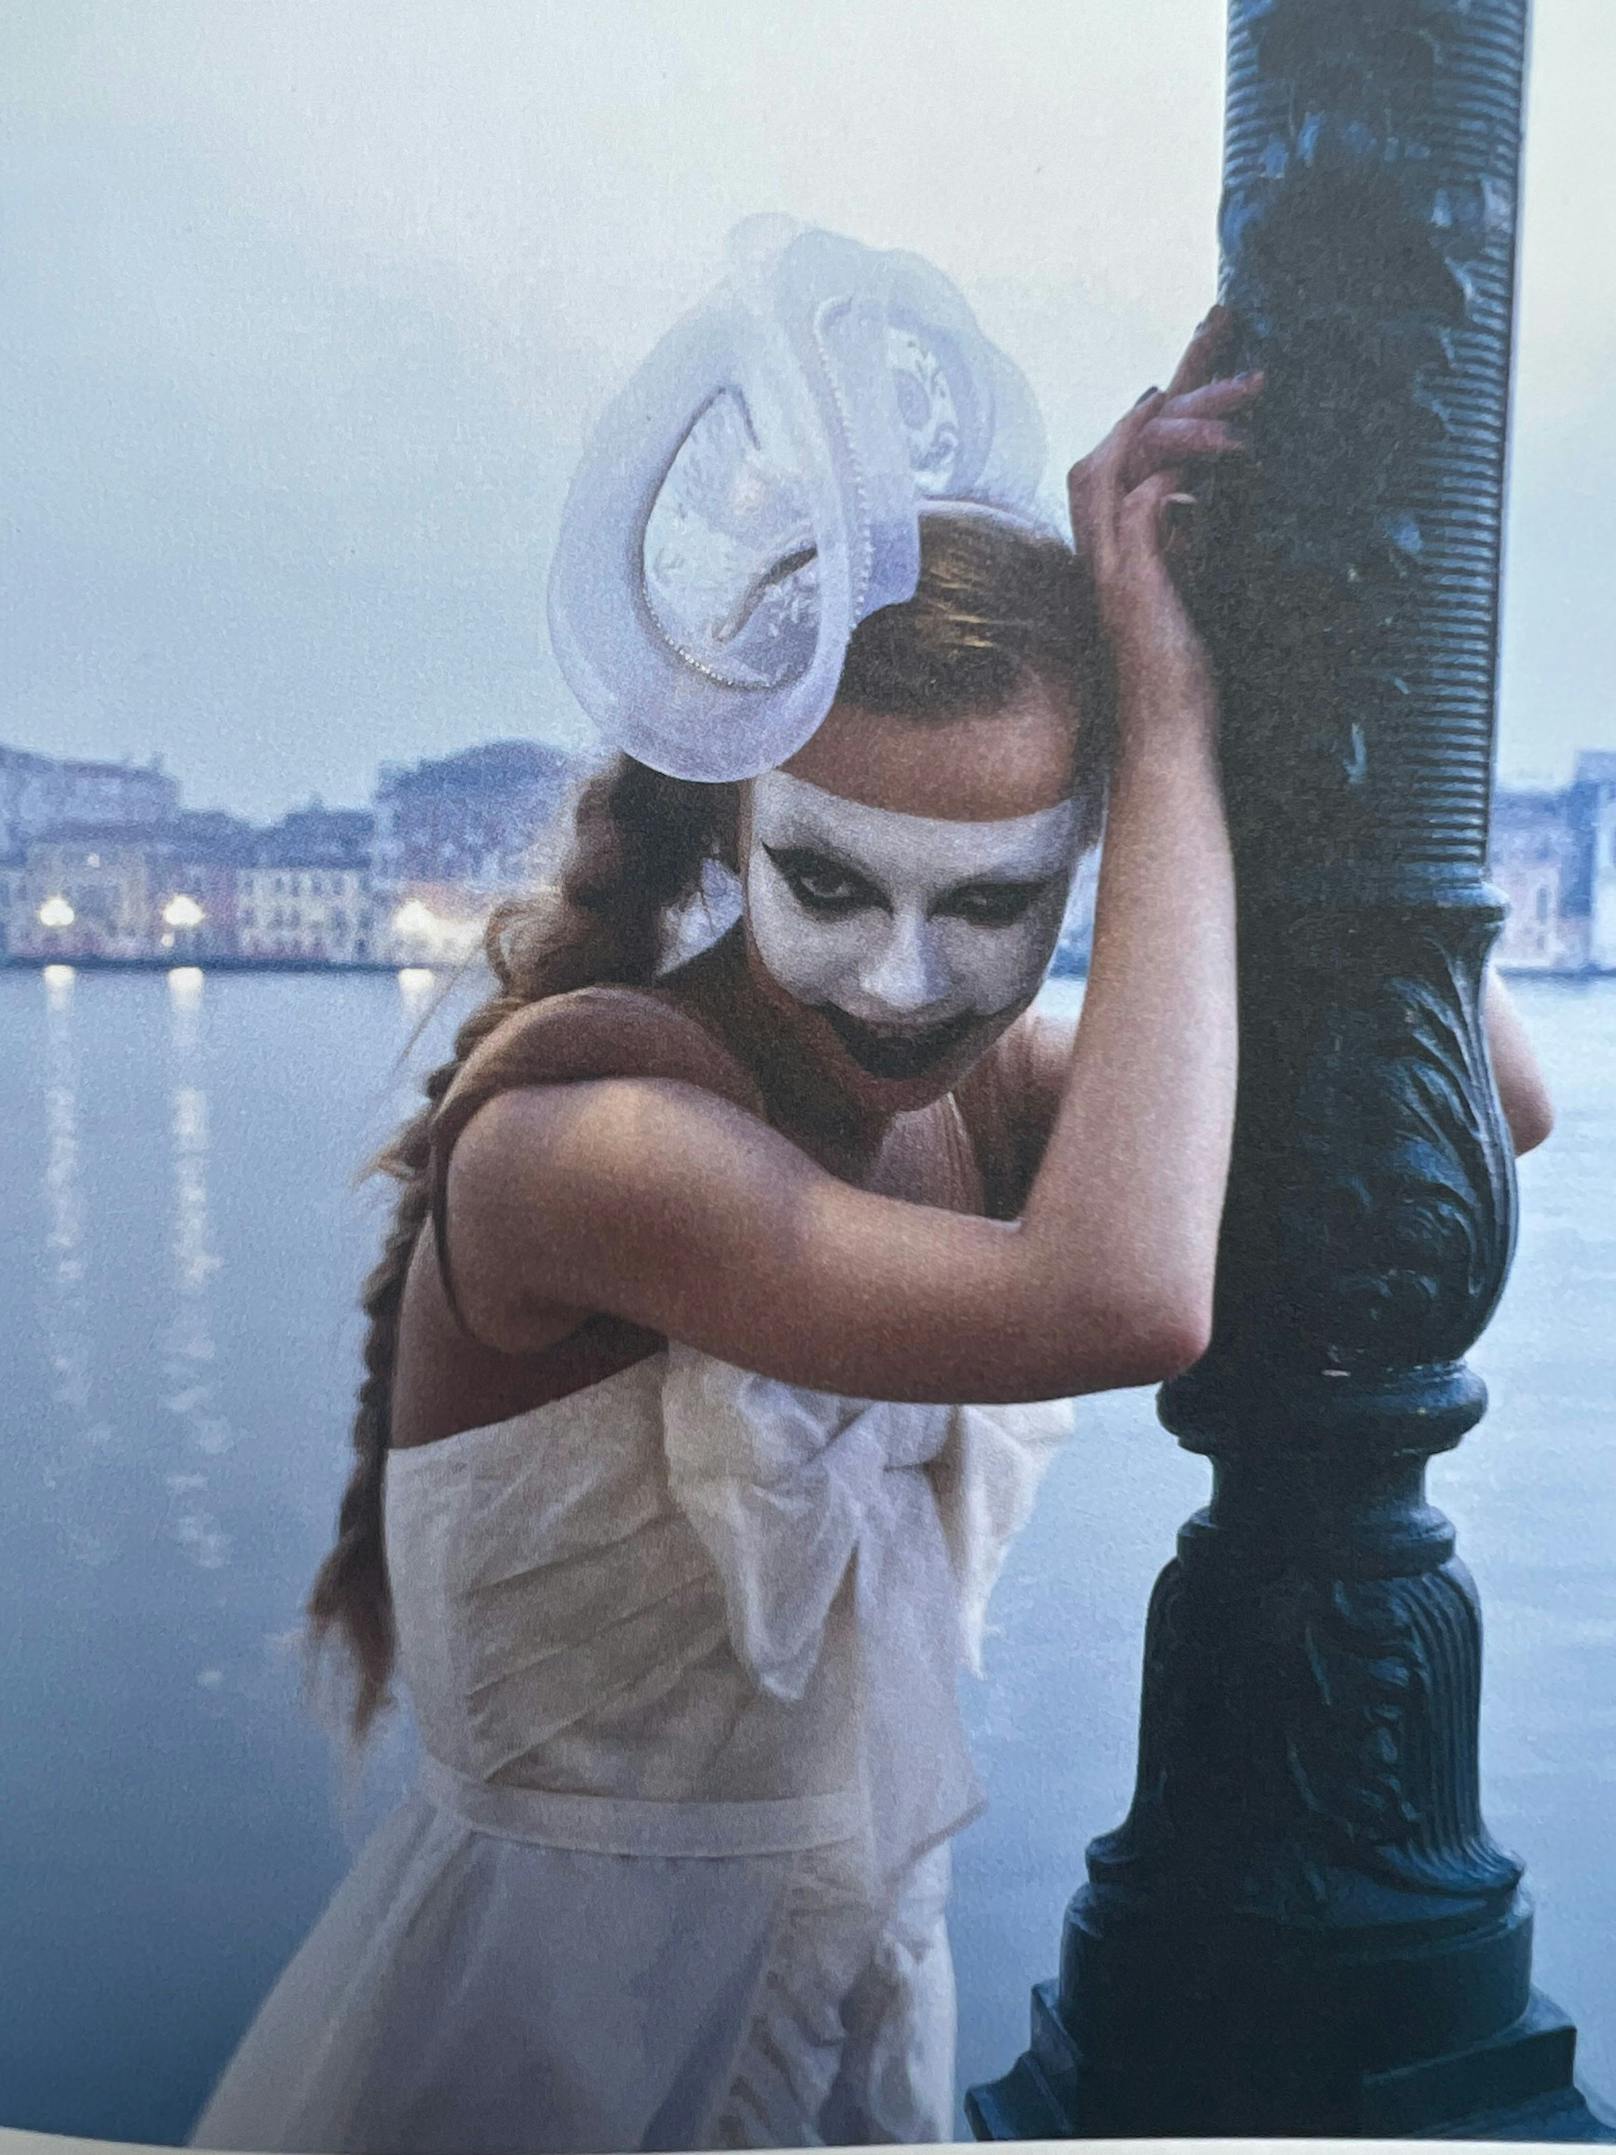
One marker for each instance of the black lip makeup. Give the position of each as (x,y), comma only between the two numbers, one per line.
(889,1053)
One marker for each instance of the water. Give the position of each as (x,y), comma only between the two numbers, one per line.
(179,1253)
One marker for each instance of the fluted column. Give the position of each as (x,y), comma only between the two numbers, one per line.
(1304,1926)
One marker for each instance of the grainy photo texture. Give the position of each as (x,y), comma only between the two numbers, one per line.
(807,1000)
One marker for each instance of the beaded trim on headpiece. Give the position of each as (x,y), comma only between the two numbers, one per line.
(756,491)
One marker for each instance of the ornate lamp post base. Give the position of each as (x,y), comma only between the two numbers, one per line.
(1521,2080)
(1303,1926)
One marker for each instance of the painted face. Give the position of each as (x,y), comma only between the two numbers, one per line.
(913,939)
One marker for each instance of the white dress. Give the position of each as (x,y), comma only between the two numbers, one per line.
(682,1649)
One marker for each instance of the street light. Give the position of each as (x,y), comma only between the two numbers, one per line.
(1303,1927)
(415,919)
(182,916)
(436,936)
(56,913)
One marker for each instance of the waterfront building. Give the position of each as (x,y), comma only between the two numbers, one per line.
(306,911)
(1592,813)
(1535,863)
(455,834)
(306,893)
(42,793)
(13,887)
(411,881)
(1554,857)
(477,821)
(78,840)
(197,871)
(87,890)
(317,836)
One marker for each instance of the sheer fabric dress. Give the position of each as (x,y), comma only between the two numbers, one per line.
(682,1650)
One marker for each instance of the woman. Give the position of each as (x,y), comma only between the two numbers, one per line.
(678,1591)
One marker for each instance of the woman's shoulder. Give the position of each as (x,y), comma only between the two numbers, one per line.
(594,1032)
(600,1031)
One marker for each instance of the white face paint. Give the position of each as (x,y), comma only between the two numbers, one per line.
(903,926)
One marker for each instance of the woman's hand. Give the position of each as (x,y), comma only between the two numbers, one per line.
(1122,500)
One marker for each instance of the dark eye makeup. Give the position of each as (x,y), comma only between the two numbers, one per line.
(827,887)
(994,905)
(822,885)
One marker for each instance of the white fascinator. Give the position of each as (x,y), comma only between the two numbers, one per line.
(756,491)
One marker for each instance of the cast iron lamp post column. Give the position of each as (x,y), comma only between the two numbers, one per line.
(1304,1925)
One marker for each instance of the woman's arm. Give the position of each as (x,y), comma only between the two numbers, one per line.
(1522,1092)
(666,1206)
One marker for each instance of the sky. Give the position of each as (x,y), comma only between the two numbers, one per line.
(310,308)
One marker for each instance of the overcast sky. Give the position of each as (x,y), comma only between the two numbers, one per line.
(309,307)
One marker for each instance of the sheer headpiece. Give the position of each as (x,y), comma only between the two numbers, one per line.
(756,491)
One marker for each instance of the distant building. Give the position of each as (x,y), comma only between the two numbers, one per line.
(315,913)
(41,793)
(477,820)
(87,890)
(1535,862)
(320,837)
(306,893)
(454,835)
(13,893)
(1554,858)
(99,860)
(1591,806)
(197,864)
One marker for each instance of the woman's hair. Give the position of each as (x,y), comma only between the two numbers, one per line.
(998,604)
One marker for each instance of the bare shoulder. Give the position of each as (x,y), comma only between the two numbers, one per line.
(593,1032)
(615,1194)
(500,1127)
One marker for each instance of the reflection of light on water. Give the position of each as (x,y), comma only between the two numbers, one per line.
(66,1313)
(68,1325)
(194,1256)
(184,1004)
(185,983)
(415,985)
(188,1346)
(64,1201)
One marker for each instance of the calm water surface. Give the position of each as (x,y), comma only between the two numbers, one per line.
(180,1248)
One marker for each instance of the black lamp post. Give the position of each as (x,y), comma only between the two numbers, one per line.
(1304,1926)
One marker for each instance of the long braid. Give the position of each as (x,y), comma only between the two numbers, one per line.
(640,845)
